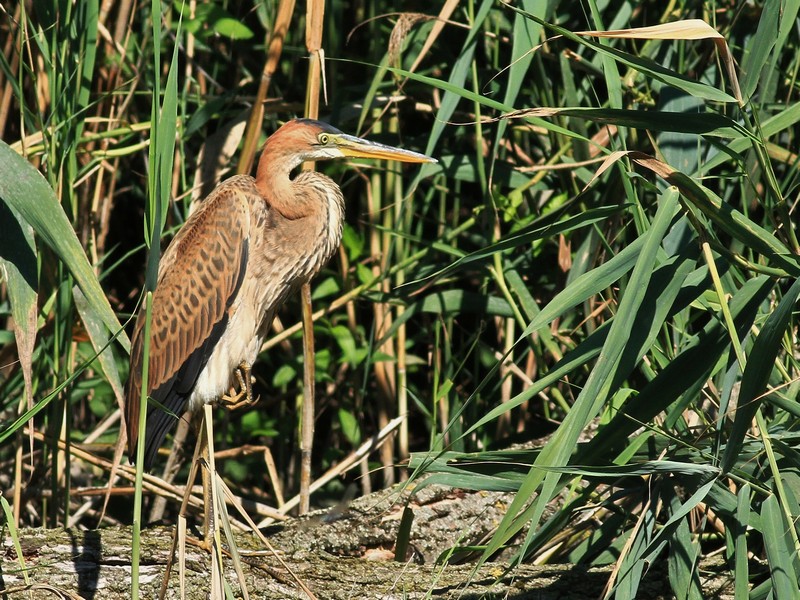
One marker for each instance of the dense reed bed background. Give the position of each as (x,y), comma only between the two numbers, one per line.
(606,253)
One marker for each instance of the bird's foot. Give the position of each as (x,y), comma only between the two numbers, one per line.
(244,396)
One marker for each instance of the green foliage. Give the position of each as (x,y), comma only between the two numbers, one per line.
(608,244)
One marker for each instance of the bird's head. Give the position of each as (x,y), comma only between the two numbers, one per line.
(300,140)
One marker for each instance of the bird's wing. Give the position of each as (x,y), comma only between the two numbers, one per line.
(199,277)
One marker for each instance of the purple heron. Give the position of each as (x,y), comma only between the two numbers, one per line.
(249,245)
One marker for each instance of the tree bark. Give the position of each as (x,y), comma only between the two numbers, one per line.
(341,553)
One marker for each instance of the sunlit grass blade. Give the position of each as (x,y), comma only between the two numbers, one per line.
(162,147)
(8,515)
(521,460)
(136,516)
(643,65)
(729,219)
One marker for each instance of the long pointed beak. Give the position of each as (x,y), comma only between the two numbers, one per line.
(356,147)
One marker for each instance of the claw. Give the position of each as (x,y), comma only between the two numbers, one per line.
(244,396)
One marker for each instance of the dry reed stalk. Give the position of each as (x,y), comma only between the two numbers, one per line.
(380,217)
(282,21)
(315,12)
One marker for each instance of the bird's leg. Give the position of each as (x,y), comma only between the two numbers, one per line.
(208,502)
(244,396)
(211,503)
(179,537)
(200,460)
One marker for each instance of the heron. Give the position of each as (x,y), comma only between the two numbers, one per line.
(247,247)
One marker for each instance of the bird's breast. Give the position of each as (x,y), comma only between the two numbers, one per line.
(283,254)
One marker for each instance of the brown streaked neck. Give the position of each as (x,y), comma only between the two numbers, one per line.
(275,185)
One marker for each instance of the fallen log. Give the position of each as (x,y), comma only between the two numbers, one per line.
(344,553)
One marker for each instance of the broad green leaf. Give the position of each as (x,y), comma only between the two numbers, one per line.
(100,342)
(347,344)
(213,18)
(18,270)
(284,375)
(24,189)
(350,426)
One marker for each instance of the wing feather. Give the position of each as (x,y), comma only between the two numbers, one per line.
(199,277)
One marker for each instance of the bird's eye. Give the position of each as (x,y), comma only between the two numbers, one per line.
(324,138)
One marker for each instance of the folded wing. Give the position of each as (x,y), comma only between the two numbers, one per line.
(200,275)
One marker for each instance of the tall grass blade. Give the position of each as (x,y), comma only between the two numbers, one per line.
(771,71)
(698,123)
(137,495)
(598,387)
(782,559)
(526,34)
(162,147)
(683,378)
(760,364)
(164,118)
(682,560)
(14,533)
(739,532)
(760,46)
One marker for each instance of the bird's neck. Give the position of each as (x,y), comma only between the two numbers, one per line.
(277,188)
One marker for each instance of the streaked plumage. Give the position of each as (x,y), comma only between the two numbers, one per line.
(246,248)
